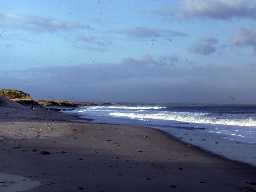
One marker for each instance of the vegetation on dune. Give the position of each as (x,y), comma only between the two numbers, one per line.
(26,99)
(62,103)
(14,94)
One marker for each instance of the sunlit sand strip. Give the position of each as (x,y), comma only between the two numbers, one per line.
(13,183)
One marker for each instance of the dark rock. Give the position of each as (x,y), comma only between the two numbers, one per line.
(173,186)
(251,183)
(59,103)
(45,153)
(80,188)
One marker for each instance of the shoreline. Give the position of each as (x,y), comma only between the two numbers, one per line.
(205,150)
(178,139)
(101,149)
(77,119)
(72,155)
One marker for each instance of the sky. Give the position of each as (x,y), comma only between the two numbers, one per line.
(164,51)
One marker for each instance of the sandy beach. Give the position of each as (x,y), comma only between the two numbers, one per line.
(49,151)
(128,96)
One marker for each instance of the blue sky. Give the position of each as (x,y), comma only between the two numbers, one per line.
(137,51)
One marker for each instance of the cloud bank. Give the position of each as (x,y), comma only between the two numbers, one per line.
(219,9)
(147,79)
(37,24)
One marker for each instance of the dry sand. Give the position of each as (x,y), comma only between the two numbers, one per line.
(71,156)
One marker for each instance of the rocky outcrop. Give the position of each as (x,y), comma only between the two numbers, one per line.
(17,96)
(26,99)
(27,102)
(14,94)
(57,103)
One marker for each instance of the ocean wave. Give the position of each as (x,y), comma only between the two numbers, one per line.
(122,107)
(195,118)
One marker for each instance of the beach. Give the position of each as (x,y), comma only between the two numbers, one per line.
(54,152)
(128,96)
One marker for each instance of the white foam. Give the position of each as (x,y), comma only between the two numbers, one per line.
(187,117)
(237,126)
(122,107)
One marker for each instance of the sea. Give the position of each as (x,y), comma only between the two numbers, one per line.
(226,130)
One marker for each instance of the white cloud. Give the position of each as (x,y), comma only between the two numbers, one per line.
(145,33)
(38,24)
(219,9)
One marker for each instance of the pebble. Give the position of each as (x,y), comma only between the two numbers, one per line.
(45,153)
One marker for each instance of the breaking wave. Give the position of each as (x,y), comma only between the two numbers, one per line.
(196,118)
(123,107)
(238,123)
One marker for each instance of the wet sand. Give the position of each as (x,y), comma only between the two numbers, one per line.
(71,156)
(14,183)
(217,144)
